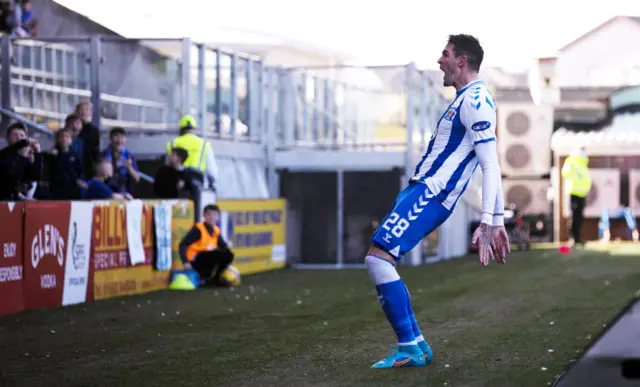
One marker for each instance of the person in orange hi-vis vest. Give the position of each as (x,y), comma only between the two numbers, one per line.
(204,250)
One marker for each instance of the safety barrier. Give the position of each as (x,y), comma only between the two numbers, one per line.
(64,253)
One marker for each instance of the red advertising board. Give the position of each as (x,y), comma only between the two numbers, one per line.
(45,243)
(11,273)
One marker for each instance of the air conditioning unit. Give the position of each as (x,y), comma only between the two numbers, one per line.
(605,192)
(634,190)
(524,139)
(529,196)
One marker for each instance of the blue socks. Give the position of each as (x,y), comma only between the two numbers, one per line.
(412,317)
(395,300)
(424,347)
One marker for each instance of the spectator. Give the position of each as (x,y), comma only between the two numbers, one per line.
(28,185)
(578,181)
(200,157)
(13,19)
(98,188)
(125,168)
(171,179)
(20,164)
(204,250)
(30,24)
(66,169)
(90,135)
(74,123)
(5,11)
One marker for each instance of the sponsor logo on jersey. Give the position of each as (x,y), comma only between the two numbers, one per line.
(481,125)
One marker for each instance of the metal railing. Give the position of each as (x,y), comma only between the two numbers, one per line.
(147,84)
(47,78)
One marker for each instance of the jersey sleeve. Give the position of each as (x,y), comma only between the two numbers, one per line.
(478,115)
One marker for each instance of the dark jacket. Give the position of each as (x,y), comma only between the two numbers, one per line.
(17,171)
(90,136)
(64,171)
(166,182)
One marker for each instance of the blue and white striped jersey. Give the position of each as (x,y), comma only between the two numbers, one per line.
(450,159)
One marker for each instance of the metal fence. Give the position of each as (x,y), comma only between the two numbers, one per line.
(140,84)
(147,84)
(356,107)
(45,79)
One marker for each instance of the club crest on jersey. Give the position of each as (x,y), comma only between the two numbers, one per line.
(450,114)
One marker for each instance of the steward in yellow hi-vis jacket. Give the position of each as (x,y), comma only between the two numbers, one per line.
(204,250)
(575,172)
(200,154)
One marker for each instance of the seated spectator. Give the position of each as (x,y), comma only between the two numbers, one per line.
(204,250)
(66,169)
(97,188)
(30,24)
(20,164)
(125,168)
(74,123)
(171,179)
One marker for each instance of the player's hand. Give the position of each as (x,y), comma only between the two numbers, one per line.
(482,238)
(500,243)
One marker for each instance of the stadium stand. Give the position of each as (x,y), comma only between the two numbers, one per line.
(311,136)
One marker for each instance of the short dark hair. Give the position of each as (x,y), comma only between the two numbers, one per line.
(211,207)
(181,153)
(117,131)
(60,132)
(470,47)
(16,126)
(70,119)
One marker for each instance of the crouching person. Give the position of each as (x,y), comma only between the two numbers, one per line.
(204,250)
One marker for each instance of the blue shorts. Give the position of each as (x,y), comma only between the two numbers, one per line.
(415,214)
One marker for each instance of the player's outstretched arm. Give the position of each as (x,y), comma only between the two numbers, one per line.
(488,160)
(479,118)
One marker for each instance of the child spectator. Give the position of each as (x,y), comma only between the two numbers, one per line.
(171,179)
(65,169)
(30,24)
(125,169)
(74,123)
(98,188)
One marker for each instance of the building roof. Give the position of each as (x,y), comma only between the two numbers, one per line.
(600,27)
(621,136)
(157,26)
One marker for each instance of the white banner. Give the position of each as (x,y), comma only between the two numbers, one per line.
(162,220)
(134,231)
(76,273)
